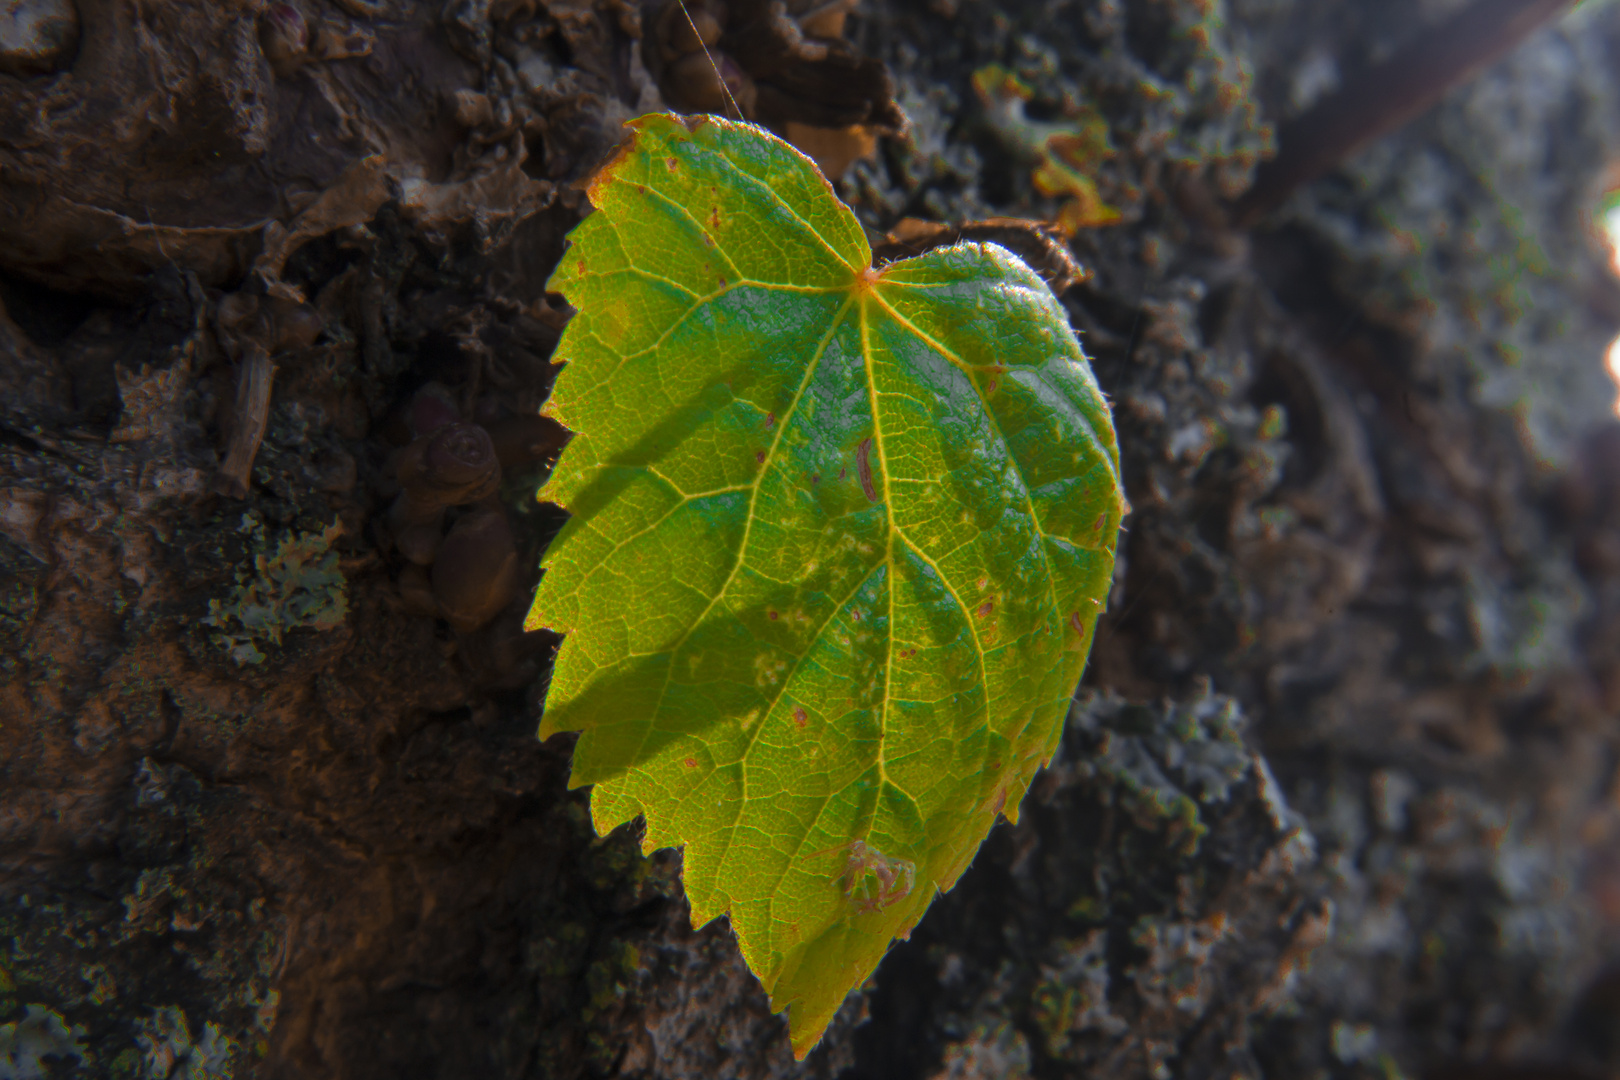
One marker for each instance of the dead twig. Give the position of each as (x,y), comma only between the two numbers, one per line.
(249,418)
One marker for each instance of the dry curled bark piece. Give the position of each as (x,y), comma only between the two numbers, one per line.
(521,441)
(783,65)
(284,36)
(416,590)
(454,466)
(431,408)
(476,570)
(250,416)
(276,324)
(465,574)
(351,200)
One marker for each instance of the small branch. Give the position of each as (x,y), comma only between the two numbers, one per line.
(1390,95)
(1045,250)
(249,418)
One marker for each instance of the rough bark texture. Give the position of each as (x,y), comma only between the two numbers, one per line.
(1339,797)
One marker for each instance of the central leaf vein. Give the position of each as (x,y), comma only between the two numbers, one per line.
(888,557)
(748,522)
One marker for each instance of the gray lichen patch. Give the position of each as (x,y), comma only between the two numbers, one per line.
(1146,909)
(294,584)
(159,965)
(1165,761)
(33,1046)
(169,1050)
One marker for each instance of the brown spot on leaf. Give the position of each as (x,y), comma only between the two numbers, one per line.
(690,763)
(608,173)
(770,419)
(1001,800)
(759,456)
(986,608)
(800,717)
(874,880)
(863,465)
(771,615)
(671,163)
(1074,621)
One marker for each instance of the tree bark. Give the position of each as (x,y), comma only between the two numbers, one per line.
(1337,797)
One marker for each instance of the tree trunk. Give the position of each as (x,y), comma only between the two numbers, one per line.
(1339,795)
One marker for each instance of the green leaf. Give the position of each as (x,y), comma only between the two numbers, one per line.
(839,542)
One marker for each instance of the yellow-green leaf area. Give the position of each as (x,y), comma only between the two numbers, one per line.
(838,545)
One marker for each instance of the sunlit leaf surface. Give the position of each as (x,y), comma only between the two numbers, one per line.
(839,542)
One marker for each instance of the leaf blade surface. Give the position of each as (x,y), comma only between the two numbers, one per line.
(839,541)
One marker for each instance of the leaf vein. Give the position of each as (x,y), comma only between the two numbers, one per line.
(1023,482)
(967,613)
(626,541)
(696,224)
(888,556)
(776,197)
(748,524)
